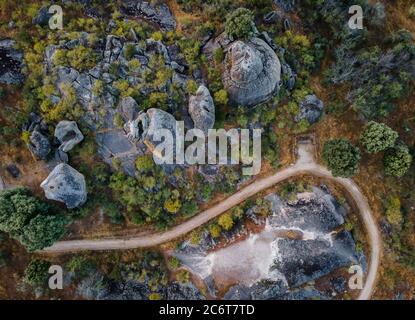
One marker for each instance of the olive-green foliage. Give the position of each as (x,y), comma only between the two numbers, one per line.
(393,211)
(36,273)
(79,58)
(378,137)
(80,265)
(240,24)
(342,157)
(397,161)
(34,223)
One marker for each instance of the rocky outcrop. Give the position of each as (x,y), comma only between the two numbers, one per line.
(303,241)
(202,109)
(158,119)
(304,261)
(65,184)
(11,63)
(157,12)
(68,135)
(39,145)
(128,109)
(188,291)
(311,109)
(42,17)
(252,72)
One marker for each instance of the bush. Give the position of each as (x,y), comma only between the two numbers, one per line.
(215,230)
(173,263)
(79,265)
(342,157)
(36,273)
(191,87)
(221,97)
(183,276)
(240,24)
(397,161)
(144,163)
(226,221)
(393,211)
(378,137)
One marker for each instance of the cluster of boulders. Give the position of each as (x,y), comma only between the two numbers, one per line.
(121,143)
(11,63)
(64,183)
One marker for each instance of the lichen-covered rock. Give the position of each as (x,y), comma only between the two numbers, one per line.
(11,63)
(65,184)
(128,109)
(39,145)
(158,119)
(42,17)
(157,12)
(310,109)
(202,109)
(68,135)
(252,72)
(304,261)
(188,291)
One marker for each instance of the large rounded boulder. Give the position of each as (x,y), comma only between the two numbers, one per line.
(252,72)
(65,184)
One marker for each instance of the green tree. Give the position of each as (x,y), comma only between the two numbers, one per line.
(378,137)
(42,231)
(144,163)
(240,24)
(221,97)
(215,230)
(341,157)
(397,161)
(393,211)
(226,221)
(79,265)
(36,273)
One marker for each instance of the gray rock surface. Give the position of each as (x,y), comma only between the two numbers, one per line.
(188,291)
(158,119)
(157,12)
(315,211)
(42,17)
(252,72)
(128,109)
(304,261)
(11,63)
(202,109)
(68,135)
(311,109)
(39,145)
(65,184)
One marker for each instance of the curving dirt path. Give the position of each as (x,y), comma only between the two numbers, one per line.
(304,165)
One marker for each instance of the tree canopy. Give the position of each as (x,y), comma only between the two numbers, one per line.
(240,24)
(378,137)
(342,157)
(33,222)
(397,161)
